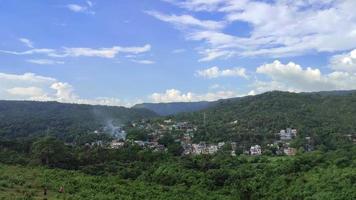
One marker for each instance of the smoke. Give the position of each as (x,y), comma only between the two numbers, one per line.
(111,125)
(115,131)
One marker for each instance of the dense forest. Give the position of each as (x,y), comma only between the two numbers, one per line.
(70,122)
(260,117)
(135,173)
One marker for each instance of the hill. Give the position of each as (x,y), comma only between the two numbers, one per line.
(261,116)
(68,121)
(165,109)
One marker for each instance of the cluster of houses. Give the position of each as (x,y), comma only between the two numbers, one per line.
(155,146)
(285,137)
(187,130)
(282,145)
(201,148)
(184,134)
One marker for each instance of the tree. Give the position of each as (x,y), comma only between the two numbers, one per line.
(49,151)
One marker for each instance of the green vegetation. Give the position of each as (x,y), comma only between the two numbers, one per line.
(31,161)
(173,108)
(142,174)
(69,122)
(256,119)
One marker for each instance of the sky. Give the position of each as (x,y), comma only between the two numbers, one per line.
(123,52)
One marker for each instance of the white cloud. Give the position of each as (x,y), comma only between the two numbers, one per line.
(277,28)
(25,91)
(199,5)
(26,42)
(44,61)
(76,8)
(102,52)
(144,62)
(215,72)
(27,77)
(212,54)
(293,77)
(134,50)
(64,91)
(185,21)
(344,62)
(87,52)
(174,95)
(30,86)
(30,52)
(178,50)
(81,8)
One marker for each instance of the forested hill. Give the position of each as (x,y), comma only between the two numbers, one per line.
(164,109)
(68,121)
(262,115)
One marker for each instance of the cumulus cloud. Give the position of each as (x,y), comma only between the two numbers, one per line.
(25,91)
(344,62)
(215,72)
(86,52)
(277,28)
(174,95)
(293,77)
(26,42)
(30,86)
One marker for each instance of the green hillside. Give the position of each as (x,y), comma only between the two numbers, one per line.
(165,109)
(26,119)
(261,116)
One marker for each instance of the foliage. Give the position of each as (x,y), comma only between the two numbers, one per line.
(69,122)
(146,175)
(326,117)
(132,172)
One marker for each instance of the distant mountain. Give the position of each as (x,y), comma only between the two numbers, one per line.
(335,92)
(165,109)
(67,121)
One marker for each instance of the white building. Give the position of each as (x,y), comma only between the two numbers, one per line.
(212,149)
(115,144)
(221,144)
(167,121)
(198,149)
(289,151)
(288,134)
(255,150)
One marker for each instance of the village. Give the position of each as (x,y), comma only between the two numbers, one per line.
(155,131)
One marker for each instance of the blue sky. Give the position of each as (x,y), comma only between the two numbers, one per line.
(121,52)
